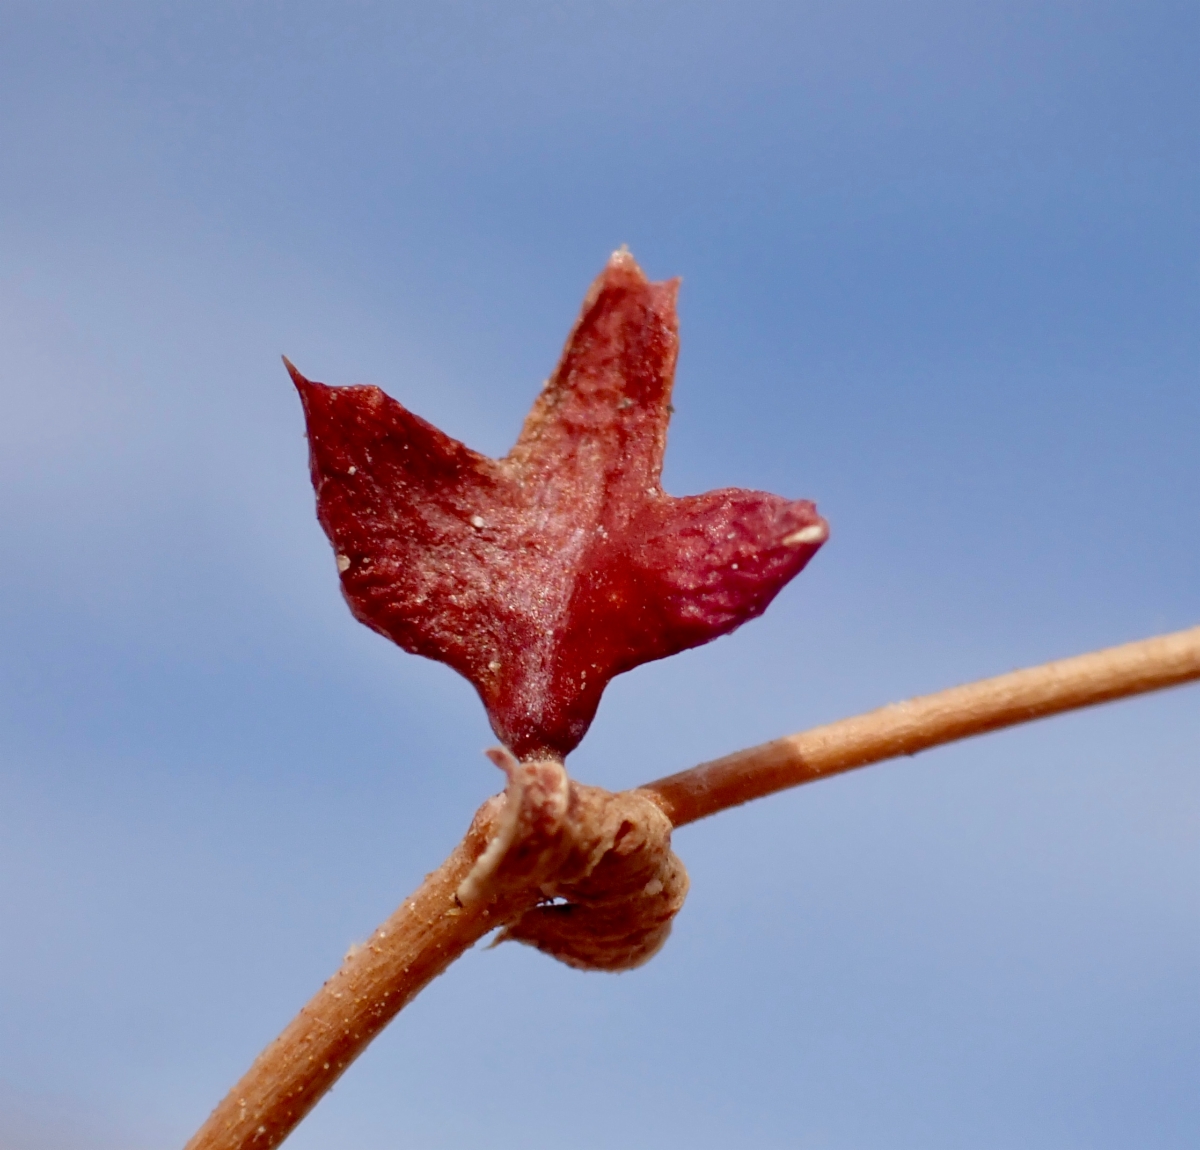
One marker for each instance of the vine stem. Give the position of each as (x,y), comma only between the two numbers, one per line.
(421,939)
(928,721)
(432,927)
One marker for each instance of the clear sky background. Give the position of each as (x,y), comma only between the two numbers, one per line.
(940,267)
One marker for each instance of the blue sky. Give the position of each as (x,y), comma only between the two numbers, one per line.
(940,275)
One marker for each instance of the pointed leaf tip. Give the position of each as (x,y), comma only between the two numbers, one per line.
(297,378)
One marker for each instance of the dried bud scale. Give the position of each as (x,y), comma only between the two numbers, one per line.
(609,883)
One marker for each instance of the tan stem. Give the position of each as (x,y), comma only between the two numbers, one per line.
(433,928)
(420,940)
(928,721)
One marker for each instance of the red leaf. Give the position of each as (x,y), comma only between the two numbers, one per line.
(542,575)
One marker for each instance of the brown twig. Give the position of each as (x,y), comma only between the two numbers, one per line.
(929,721)
(423,937)
(608,855)
(604,848)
